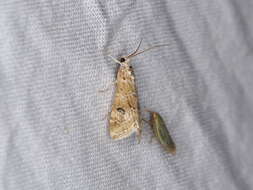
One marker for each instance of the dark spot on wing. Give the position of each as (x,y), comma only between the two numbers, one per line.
(121,110)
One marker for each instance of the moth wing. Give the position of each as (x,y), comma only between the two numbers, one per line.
(124,118)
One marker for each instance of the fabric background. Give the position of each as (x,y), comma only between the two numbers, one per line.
(53,62)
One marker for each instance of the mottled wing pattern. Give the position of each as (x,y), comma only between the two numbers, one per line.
(124,118)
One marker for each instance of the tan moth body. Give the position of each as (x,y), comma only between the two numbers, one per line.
(124,118)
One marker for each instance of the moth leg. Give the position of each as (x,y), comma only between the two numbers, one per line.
(115,60)
(148,122)
(139,131)
(108,87)
(147,110)
(106,116)
(151,125)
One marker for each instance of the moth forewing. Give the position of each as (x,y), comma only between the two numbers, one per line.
(161,132)
(124,117)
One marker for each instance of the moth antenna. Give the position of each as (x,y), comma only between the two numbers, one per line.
(135,51)
(117,61)
(152,47)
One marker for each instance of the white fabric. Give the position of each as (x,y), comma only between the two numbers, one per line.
(53,63)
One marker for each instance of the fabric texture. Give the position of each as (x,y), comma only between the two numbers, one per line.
(53,62)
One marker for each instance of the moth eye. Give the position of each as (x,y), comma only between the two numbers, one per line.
(122,60)
(121,110)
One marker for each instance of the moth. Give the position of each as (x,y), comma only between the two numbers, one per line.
(161,132)
(125,116)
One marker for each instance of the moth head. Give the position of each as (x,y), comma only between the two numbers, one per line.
(124,60)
